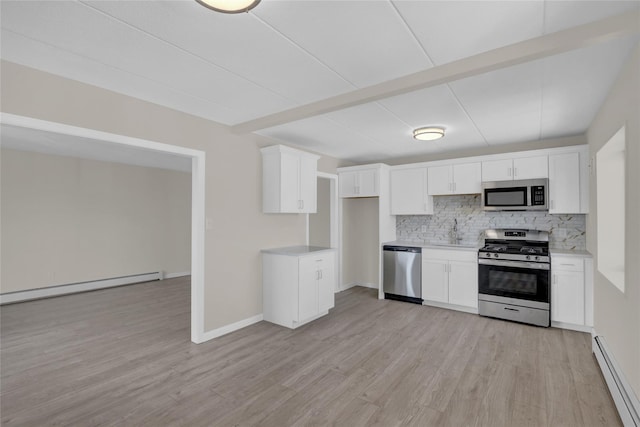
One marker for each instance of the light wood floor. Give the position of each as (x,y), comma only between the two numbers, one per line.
(123,357)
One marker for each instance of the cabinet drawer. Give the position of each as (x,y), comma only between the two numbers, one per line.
(567,264)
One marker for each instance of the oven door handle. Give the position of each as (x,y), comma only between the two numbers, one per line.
(517,264)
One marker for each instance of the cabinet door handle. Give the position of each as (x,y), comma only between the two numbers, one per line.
(301,204)
(515,171)
(320,271)
(509,172)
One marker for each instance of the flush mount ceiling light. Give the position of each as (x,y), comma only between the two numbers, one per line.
(229,6)
(428,134)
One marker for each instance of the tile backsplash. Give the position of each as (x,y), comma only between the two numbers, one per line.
(566,231)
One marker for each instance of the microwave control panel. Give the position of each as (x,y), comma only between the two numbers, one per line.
(537,195)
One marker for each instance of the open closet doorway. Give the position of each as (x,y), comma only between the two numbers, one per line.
(323,226)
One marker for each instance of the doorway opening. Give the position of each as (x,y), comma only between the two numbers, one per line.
(323,227)
(120,145)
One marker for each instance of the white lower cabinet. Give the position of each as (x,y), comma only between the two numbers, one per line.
(435,280)
(450,277)
(297,287)
(569,302)
(463,283)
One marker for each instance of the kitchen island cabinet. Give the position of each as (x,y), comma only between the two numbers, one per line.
(298,284)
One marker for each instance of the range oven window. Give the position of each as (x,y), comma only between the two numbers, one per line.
(514,282)
(521,283)
(512,196)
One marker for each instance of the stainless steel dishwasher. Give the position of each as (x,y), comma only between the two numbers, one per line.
(402,273)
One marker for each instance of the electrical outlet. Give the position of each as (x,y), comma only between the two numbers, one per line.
(423,228)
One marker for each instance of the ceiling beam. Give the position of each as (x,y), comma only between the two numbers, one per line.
(507,56)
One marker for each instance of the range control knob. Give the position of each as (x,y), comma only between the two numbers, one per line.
(495,255)
(528,256)
(537,258)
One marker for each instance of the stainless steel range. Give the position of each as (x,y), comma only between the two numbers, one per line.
(514,273)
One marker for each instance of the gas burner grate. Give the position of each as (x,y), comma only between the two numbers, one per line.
(531,250)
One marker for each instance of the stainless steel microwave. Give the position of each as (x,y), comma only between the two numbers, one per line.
(522,195)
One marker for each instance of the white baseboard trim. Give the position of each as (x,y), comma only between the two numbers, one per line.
(448,306)
(623,396)
(72,288)
(231,328)
(346,286)
(174,275)
(571,326)
(367,285)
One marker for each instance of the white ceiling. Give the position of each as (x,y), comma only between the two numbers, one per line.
(286,54)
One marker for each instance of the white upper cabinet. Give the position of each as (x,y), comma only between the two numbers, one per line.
(497,170)
(409,192)
(289,182)
(530,167)
(440,180)
(568,186)
(359,182)
(464,178)
(515,168)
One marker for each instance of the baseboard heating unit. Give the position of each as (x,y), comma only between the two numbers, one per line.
(625,399)
(72,288)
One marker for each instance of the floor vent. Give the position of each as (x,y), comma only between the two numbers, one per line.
(623,396)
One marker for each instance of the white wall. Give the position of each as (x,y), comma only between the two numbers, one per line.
(360,248)
(68,220)
(233,193)
(617,314)
(320,222)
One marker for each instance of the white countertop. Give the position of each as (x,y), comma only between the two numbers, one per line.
(296,250)
(475,247)
(567,252)
(435,245)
